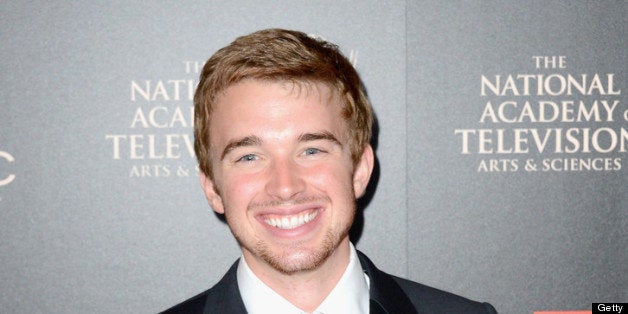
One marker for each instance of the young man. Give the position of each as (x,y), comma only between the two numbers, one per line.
(282,131)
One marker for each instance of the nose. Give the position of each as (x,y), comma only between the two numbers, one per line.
(285,180)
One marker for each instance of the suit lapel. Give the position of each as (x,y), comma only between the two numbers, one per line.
(225,296)
(386,295)
(376,308)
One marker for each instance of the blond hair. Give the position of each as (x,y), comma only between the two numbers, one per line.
(277,54)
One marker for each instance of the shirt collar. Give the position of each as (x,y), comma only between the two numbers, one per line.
(350,295)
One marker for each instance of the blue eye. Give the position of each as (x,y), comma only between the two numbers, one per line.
(312,151)
(248,158)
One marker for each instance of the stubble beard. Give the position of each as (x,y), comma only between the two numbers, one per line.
(298,257)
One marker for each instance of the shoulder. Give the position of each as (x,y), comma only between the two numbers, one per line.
(402,295)
(195,304)
(431,300)
(224,297)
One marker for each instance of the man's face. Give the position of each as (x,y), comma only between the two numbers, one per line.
(283,172)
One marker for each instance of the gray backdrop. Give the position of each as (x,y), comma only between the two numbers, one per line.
(100,206)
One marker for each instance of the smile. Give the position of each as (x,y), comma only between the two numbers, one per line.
(291,221)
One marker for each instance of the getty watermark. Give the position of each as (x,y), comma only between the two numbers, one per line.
(609,308)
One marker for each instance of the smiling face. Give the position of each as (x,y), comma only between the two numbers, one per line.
(283,173)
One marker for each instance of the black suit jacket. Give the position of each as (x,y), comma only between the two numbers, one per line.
(389,294)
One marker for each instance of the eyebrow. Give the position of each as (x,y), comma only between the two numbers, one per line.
(326,136)
(256,141)
(245,141)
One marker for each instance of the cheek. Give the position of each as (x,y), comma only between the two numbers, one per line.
(335,179)
(238,191)
(337,184)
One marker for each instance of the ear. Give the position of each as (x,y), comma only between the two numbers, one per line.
(213,198)
(362,171)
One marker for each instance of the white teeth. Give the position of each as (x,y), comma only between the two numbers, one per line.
(291,222)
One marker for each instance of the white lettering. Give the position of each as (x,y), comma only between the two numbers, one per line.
(6,156)
(554,85)
(163,90)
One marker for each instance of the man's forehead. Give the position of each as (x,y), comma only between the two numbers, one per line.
(238,98)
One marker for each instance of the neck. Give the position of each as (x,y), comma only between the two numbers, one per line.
(305,289)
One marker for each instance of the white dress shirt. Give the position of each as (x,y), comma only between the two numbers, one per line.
(350,295)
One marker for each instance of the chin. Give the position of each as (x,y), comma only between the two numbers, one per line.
(295,264)
(298,259)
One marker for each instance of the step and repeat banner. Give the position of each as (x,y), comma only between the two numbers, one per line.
(501,140)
